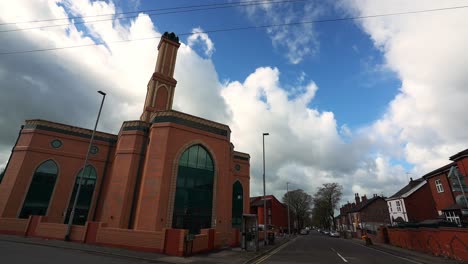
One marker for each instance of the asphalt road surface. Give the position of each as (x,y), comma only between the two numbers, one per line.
(19,253)
(316,248)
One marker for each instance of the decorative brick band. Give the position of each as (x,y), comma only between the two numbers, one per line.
(69,130)
(191,121)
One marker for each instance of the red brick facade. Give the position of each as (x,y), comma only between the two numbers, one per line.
(277,211)
(137,171)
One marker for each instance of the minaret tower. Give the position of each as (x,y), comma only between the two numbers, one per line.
(161,86)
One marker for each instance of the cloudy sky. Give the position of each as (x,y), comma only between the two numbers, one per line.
(366,103)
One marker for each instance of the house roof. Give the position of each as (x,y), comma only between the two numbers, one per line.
(409,189)
(439,170)
(363,205)
(459,155)
(258,200)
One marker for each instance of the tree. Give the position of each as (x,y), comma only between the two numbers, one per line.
(325,202)
(299,204)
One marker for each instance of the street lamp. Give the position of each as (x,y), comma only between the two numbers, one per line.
(287,195)
(265,213)
(72,213)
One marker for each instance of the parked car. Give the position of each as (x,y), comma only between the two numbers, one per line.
(334,234)
(325,232)
(304,232)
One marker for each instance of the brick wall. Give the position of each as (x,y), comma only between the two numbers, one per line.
(200,243)
(133,239)
(13,226)
(448,242)
(443,199)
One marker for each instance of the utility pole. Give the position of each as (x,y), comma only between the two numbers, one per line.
(77,195)
(265,213)
(287,195)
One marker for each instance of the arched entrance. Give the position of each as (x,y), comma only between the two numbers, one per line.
(194,190)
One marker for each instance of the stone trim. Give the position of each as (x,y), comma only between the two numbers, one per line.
(190,121)
(69,130)
(135,125)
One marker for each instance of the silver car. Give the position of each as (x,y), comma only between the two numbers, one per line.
(334,234)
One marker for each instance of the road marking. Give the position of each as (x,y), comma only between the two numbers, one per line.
(273,252)
(339,255)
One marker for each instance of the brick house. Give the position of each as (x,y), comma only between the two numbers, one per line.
(162,177)
(277,212)
(412,203)
(368,214)
(447,185)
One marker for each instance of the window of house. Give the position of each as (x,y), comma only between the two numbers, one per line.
(452,217)
(390,206)
(269,211)
(398,206)
(439,186)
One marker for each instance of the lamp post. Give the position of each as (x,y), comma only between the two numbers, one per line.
(75,201)
(287,195)
(265,213)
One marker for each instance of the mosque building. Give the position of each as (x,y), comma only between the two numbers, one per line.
(164,176)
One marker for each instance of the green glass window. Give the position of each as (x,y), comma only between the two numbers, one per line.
(237,204)
(194,190)
(85,198)
(40,190)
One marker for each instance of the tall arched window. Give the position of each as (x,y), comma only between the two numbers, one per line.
(85,198)
(194,192)
(237,204)
(40,190)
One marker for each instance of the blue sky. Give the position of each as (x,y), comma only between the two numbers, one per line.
(355,102)
(346,67)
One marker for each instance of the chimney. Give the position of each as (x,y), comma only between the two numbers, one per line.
(411,179)
(358,200)
(364,198)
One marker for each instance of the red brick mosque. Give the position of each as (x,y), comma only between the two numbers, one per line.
(163,177)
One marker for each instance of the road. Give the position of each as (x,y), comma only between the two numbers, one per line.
(33,254)
(317,248)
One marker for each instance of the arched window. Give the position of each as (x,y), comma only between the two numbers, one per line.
(85,198)
(40,190)
(194,192)
(237,204)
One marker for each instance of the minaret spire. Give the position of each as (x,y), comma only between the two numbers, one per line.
(161,86)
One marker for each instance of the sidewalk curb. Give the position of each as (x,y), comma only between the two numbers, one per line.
(262,254)
(97,252)
(407,256)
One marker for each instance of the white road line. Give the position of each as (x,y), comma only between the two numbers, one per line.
(339,255)
(409,260)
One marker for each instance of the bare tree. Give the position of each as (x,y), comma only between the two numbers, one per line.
(325,202)
(299,204)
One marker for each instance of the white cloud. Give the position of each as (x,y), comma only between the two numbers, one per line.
(199,37)
(426,122)
(296,42)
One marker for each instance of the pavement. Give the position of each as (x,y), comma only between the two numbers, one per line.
(17,249)
(313,248)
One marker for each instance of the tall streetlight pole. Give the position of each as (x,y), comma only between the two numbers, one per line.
(287,195)
(75,201)
(265,213)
